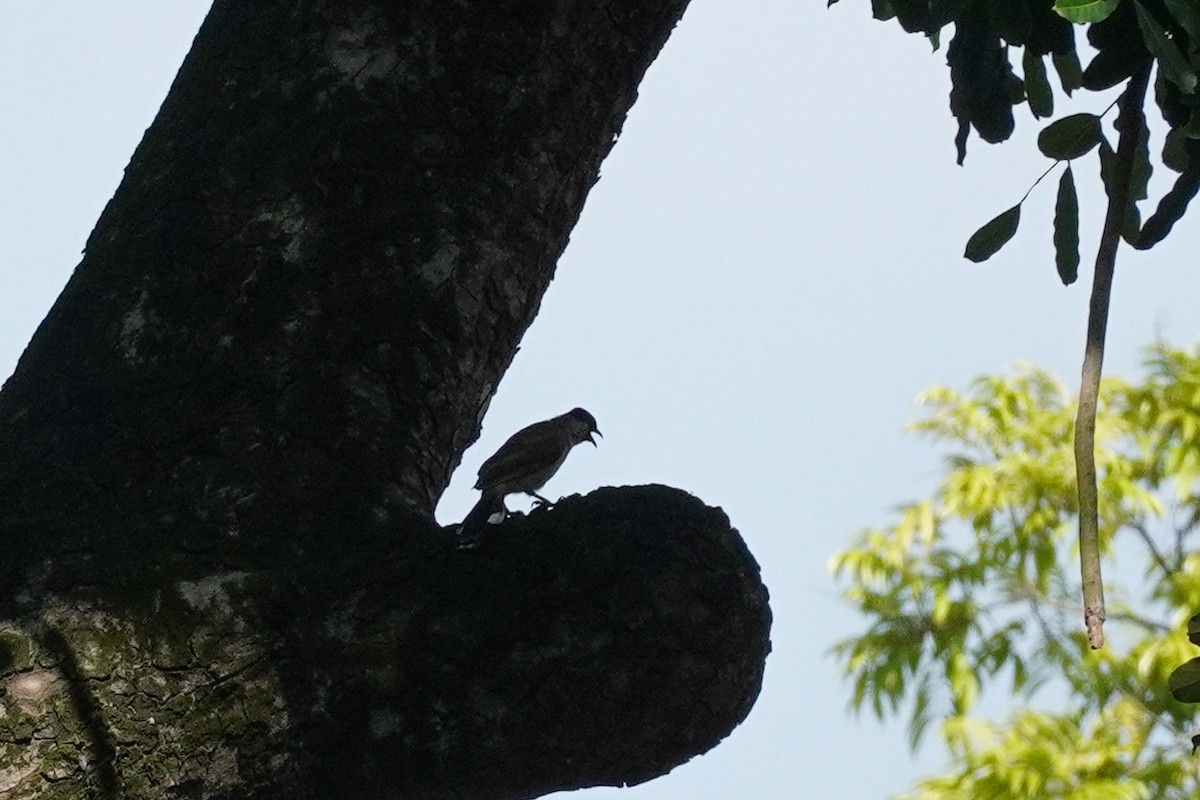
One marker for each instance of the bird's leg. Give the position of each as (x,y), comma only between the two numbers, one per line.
(538,500)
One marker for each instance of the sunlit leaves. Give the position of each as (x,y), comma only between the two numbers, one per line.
(1037,757)
(974,587)
(1066,229)
(988,240)
(1070,137)
(1085,10)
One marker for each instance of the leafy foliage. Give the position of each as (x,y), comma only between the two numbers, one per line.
(968,592)
(1127,35)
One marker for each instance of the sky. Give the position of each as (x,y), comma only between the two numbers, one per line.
(767,274)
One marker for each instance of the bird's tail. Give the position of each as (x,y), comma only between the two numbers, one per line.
(477,522)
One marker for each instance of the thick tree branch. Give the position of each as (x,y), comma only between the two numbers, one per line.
(220,453)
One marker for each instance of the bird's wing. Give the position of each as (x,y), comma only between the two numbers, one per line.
(527,452)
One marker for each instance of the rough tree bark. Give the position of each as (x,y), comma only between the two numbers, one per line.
(220,454)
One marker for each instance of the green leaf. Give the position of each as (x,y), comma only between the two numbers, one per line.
(988,240)
(1172,62)
(1070,73)
(1066,229)
(1037,85)
(1080,11)
(1187,14)
(1184,682)
(1070,137)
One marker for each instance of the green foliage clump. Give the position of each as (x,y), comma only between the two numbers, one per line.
(972,591)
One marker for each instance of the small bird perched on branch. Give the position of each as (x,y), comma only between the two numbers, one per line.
(524,463)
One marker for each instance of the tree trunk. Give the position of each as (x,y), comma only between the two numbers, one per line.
(220,453)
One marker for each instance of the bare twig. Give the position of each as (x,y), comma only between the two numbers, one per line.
(1139,527)
(1129,124)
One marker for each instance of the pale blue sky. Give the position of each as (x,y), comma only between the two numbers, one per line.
(767,274)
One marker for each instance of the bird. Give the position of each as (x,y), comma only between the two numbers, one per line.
(524,463)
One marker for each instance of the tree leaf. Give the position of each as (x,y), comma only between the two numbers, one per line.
(1070,73)
(1139,178)
(1187,14)
(1170,60)
(1081,11)
(1070,137)
(1184,682)
(988,240)
(1173,204)
(1131,224)
(1037,85)
(1066,229)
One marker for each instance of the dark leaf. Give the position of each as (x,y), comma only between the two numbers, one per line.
(1051,33)
(1108,174)
(1193,629)
(1139,178)
(1070,74)
(1184,682)
(1037,85)
(1174,153)
(1171,102)
(1170,60)
(882,9)
(1108,160)
(980,78)
(1110,67)
(943,12)
(913,15)
(960,139)
(1070,137)
(1172,207)
(1066,229)
(1011,20)
(988,240)
(1187,14)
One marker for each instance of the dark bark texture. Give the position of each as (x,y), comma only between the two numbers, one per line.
(220,454)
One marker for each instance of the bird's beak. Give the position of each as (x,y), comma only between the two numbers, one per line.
(593,441)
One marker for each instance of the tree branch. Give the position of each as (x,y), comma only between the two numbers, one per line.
(1093,360)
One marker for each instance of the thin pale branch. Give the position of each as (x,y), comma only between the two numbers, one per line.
(1128,123)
